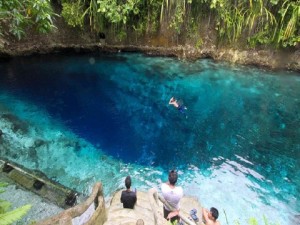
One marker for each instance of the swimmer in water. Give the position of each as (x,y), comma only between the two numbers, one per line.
(181,108)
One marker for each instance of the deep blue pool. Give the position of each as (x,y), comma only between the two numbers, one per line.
(239,141)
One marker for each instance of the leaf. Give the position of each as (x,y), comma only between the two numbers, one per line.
(4,206)
(12,216)
(3,184)
(253,221)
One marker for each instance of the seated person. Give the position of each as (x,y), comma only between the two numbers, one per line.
(172,194)
(128,197)
(210,217)
(140,222)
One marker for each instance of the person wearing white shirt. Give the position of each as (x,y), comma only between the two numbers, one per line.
(172,194)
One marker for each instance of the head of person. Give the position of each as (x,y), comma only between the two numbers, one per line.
(173,177)
(140,222)
(128,182)
(213,214)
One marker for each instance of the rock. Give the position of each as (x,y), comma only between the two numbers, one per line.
(145,209)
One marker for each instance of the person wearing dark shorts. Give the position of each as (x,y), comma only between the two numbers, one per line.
(181,108)
(172,194)
(128,197)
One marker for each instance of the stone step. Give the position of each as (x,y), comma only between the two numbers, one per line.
(123,219)
(117,215)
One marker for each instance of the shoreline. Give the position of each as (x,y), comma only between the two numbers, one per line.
(267,59)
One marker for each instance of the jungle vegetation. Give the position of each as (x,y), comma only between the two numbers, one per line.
(260,22)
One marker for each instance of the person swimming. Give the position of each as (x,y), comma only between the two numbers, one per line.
(181,108)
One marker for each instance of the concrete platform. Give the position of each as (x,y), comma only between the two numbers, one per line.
(146,209)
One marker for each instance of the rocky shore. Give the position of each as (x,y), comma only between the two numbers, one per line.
(67,39)
(270,59)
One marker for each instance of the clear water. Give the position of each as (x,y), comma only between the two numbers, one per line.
(86,118)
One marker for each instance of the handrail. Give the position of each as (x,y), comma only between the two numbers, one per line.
(66,216)
(154,194)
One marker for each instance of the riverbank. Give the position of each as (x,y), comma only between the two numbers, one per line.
(270,59)
(163,42)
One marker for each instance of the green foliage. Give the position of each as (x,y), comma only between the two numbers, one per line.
(260,22)
(288,31)
(118,11)
(19,15)
(199,43)
(236,222)
(177,19)
(150,14)
(252,221)
(121,35)
(96,19)
(41,12)
(2,185)
(267,22)
(11,11)
(12,216)
(73,13)
(4,206)
(175,222)
(8,217)
(260,38)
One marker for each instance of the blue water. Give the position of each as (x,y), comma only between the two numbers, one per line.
(237,147)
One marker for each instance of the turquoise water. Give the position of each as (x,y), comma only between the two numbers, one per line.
(80,119)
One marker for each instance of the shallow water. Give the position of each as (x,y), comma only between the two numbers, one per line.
(102,117)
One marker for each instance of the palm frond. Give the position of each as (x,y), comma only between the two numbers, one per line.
(4,206)
(3,184)
(12,216)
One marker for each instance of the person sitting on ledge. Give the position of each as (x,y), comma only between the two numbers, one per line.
(128,197)
(210,217)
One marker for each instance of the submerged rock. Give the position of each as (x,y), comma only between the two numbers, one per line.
(16,124)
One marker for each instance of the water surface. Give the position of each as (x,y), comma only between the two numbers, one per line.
(101,117)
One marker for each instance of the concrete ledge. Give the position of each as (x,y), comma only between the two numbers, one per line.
(39,184)
(92,210)
(98,216)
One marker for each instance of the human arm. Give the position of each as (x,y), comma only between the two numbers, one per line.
(122,197)
(205,214)
(135,196)
(172,214)
(171,101)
